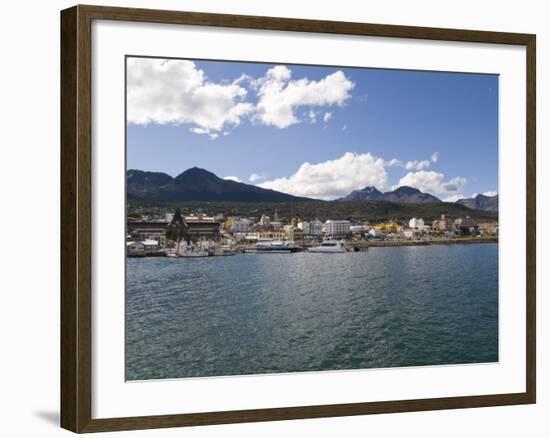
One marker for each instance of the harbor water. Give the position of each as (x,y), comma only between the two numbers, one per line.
(278,313)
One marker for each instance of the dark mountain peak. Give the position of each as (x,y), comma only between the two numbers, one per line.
(140,181)
(481,202)
(409,195)
(368,193)
(402,195)
(406,190)
(196,172)
(196,184)
(482,197)
(371,189)
(136,173)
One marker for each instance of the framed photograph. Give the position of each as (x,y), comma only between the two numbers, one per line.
(268,219)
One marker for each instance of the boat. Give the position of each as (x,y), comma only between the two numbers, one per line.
(270,247)
(191,250)
(329,246)
(223,251)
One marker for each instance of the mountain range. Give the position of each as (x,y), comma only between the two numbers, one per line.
(481,202)
(196,184)
(401,195)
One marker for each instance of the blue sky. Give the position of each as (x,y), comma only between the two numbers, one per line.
(354,126)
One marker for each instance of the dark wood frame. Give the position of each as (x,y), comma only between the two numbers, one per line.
(76,174)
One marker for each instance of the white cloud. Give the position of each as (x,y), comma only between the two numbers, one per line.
(327,116)
(334,178)
(212,135)
(255,177)
(417,165)
(394,162)
(434,157)
(232,178)
(279,95)
(312,116)
(454,198)
(175,92)
(490,193)
(432,182)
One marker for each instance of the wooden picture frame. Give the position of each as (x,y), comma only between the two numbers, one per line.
(76,218)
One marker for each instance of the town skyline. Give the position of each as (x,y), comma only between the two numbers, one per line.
(318,132)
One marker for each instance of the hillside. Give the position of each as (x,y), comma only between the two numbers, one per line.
(196,184)
(323,210)
(401,195)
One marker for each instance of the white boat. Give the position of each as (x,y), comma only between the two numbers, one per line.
(270,247)
(194,254)
(191,250)
(329,246)
(223,251)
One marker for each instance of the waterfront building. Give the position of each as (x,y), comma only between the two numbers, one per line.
(465,225)
(279,234)
(135,248)
(388,227)
(276,225)
(201,227)
(240,225)
(140,231)
(408,234)
(488,228)
(251,237)
(337,229)
(316,227)
(264,220)
(294,233)
(416,224)
(443,224)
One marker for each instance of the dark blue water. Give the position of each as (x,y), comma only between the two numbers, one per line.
(271,313)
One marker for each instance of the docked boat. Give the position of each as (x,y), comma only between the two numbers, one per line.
(191,250)
(223,251)
(270,247)
(329,246)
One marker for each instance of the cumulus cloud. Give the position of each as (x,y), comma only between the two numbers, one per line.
(434,157)
(312,116)
(327,116)
(280,96)
(417,165)
(394,162)
(232,178)
(176,92)
(255,177)
(334,178)
(490,193)
(432,182)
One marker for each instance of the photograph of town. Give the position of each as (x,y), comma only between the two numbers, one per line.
(287,218)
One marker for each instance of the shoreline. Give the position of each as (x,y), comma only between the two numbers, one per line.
(454,241)
(365,245)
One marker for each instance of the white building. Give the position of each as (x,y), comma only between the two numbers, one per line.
(240,225)
(316,227)
(336,229)
(416,224)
